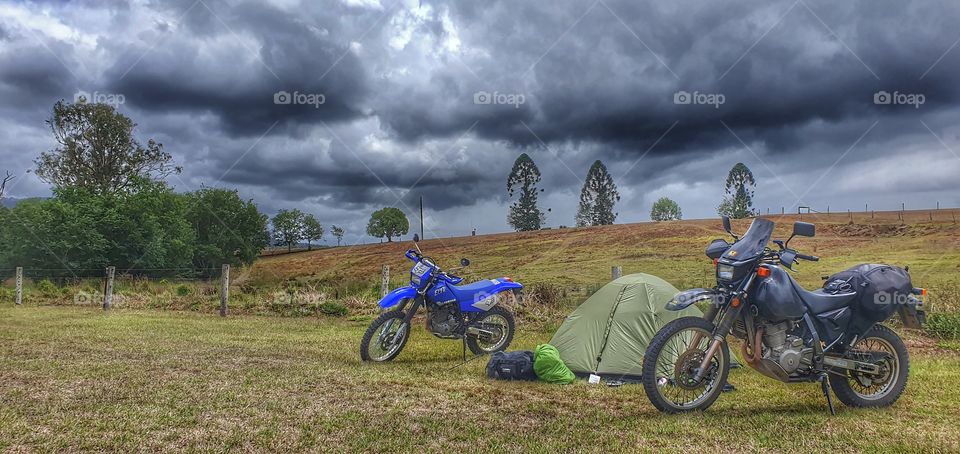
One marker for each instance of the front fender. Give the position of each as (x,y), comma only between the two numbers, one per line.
(690,297)
(396,296)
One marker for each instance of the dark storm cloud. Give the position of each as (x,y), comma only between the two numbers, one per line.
(400,83)
(599,82)
(233,60)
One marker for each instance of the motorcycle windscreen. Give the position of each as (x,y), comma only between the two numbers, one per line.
(752,243)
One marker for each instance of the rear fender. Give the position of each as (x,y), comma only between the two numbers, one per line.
(690,297)
(396,296)
(484,301)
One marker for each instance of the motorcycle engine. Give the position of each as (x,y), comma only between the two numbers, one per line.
(445,321)
(785,348)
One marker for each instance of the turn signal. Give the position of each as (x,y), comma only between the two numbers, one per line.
(763,272)
(735,302)
(715,262)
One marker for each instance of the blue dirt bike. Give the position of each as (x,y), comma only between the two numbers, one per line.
(469,312)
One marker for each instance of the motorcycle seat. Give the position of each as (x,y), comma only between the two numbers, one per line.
(819,301)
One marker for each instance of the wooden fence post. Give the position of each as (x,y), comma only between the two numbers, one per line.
(19,285)
(108,288)
(224,289)
(616,272)
(385,281)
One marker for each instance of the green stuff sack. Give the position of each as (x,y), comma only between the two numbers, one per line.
(549,367)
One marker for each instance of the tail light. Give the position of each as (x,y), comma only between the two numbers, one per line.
(508,279)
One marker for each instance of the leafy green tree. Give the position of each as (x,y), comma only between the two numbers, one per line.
(338,233)
(665,210)
(312,230)
(524,214)
(228,229)
(144,232)
(388,223)
(597,198)
(97,151)
(738,202)
(288,227)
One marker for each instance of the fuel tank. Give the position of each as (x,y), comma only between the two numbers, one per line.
(776,298)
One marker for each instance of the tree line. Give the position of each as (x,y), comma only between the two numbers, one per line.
(290,227)
(112,207)
(599,195)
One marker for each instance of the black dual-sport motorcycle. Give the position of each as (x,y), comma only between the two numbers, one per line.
(832,335)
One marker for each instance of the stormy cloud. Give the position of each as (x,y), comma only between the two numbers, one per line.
(342,107)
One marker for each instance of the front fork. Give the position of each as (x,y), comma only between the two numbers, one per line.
(734,307)
(417,302)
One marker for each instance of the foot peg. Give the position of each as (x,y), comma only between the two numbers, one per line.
(825,386)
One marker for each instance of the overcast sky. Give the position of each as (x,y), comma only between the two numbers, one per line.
(829,103)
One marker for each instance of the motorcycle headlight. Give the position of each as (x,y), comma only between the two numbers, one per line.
(725,272)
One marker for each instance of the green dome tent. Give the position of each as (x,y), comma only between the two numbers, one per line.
(608,333)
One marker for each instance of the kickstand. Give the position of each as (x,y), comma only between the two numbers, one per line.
(825,386)
(464,349)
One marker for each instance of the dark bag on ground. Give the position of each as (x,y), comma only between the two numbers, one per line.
(516,365)
(881,289)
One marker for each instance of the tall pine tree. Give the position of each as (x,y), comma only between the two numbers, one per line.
(524,214)
(738,203)
(597,198)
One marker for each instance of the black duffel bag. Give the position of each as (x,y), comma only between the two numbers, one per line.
(516,365)
(881,289)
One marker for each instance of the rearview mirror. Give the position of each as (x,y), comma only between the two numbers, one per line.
(464,262)
(726,224)
(804,229)
(416,238)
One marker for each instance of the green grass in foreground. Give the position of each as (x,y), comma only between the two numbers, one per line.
(78,379)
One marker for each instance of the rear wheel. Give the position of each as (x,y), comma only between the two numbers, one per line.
(672,360)
(385,337)
(883,347)
(496,331)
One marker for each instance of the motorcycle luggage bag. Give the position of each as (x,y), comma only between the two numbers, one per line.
(881,289)
(516,365)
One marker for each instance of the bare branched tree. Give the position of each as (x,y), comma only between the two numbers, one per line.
(3,185)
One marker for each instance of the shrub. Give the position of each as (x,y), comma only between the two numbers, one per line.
(183,290)
(47,288)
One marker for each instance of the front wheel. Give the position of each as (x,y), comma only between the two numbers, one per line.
(496,328)
(385,337)
(672,360)
(885,348)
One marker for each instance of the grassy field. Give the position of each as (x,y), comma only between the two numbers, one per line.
(78,379)
(162,372)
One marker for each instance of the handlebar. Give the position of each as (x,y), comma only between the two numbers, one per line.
(811,258)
